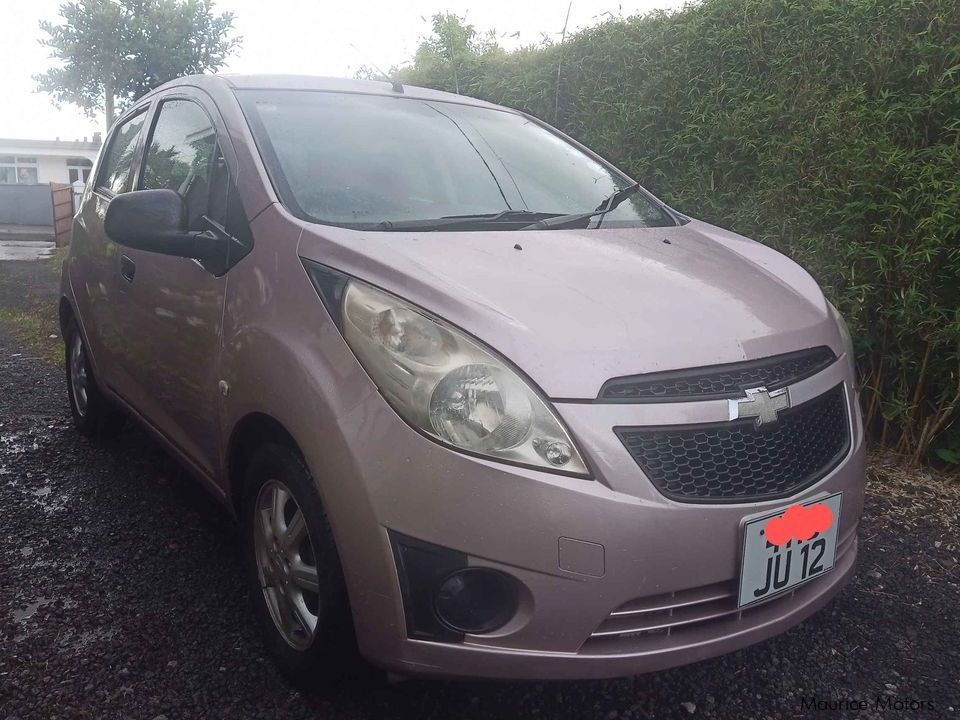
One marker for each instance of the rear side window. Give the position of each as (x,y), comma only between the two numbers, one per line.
(118,162)
(183,156)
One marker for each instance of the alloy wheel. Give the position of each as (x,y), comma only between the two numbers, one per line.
(78,376)
(286,564)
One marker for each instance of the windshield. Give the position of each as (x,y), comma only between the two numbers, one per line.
(365,160)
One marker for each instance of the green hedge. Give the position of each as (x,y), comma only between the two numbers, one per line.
(828,129)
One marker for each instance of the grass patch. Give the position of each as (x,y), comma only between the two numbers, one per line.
(33,327)
(29,313)
(56,259)
(28,306)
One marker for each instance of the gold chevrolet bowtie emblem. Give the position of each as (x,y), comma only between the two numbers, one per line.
(760,404)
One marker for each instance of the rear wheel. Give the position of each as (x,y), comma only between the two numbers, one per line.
(93,415)
(294,574)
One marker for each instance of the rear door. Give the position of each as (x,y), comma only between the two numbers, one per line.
(94,257)
(173,306)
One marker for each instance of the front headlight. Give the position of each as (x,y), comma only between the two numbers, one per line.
(446,384)
(847,341)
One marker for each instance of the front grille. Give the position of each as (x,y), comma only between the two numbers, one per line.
(718,381)
(660,622)
(737,461)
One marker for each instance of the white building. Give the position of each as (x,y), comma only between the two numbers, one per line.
(31,162)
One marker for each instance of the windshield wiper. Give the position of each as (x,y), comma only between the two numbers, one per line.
(610,203)
(453,222)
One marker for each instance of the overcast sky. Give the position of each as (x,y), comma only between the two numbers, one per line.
(287,36)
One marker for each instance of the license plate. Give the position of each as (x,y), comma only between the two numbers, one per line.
(787,547)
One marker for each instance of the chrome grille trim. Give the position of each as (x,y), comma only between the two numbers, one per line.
(715,603)
(728,380)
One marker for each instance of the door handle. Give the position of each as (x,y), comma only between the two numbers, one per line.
(128,268)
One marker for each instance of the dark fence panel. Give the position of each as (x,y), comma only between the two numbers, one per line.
(25,205)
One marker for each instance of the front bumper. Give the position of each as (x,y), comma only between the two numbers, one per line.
(668,570)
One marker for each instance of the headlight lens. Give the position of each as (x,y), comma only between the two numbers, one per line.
(847,341)
(449,386)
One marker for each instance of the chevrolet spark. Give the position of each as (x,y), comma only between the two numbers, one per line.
(482,405)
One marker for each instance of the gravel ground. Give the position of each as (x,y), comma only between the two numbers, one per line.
(120,596)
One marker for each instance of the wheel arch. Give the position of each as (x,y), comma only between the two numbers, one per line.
(65,314)
(251,432)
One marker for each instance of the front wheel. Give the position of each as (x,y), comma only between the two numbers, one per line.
(294,574)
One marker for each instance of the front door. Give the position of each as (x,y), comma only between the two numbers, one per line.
(173,306)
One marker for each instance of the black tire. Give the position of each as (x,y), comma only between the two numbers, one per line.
(94,416)
(331,660)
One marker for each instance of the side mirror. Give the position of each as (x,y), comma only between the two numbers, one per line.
(156,221)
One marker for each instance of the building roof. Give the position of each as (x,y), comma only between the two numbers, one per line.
(66,145)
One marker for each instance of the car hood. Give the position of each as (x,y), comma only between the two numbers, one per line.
(574,308)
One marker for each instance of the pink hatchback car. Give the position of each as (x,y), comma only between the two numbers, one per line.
(482,405)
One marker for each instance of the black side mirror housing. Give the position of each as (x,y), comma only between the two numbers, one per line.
(156,221)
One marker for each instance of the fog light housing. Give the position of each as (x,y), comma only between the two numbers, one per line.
(476,600)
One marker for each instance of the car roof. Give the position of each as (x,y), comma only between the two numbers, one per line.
(320,84)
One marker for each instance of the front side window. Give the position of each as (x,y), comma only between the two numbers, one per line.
(118,163)
(360,160)
(18,170)
(183,156)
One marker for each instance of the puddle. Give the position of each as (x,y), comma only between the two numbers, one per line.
(31,608)
(70,639)
(23,615)
(90,637)
(36,489)
(14,445)
(50,503)
(25,249)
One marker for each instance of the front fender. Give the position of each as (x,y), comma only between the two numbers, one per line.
(282,356)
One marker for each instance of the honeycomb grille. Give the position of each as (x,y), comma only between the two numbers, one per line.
(719,381)
(737,461)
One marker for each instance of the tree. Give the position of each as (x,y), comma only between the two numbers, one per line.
(111,52)
(449,57)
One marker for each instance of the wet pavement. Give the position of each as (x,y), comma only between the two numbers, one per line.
(25,249)
(120,597)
